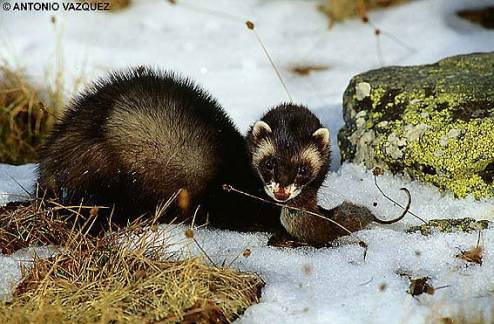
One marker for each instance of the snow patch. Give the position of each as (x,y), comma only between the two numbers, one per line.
(302,285)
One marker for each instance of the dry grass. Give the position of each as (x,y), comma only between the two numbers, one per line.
(481,16)
(99,279)
(338,10)
(307,69)
(24,119)
(36,223)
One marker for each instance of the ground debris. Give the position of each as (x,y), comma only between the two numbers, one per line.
(124,276)
(308,69)
(338,10)
(420,285)
(474,255)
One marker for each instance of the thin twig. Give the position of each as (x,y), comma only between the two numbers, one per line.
(229,188)
(361,243)
(204,252)
(395,202)
(251,26)
(21,186)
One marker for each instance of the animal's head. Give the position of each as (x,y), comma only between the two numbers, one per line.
(289,150)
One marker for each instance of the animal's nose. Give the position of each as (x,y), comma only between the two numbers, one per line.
(281,194)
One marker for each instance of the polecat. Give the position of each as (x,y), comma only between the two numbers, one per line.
(289,150)
(135,138)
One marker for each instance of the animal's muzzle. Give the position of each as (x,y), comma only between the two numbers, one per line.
(281,194)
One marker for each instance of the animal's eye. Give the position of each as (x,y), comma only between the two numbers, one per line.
(269,164)
(302,171)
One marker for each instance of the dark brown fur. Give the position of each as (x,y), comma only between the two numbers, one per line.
(289,130)
(292,128)
(134,138)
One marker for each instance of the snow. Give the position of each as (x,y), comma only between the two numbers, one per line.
(15,182)
(336,285)
(209,42)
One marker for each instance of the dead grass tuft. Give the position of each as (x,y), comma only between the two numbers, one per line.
(481,16)
(31,224)
(24,119)
(474,255)
(304,70)
(339,10)
(101,279)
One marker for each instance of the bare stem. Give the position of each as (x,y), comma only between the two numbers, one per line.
(229,188)
(394,201)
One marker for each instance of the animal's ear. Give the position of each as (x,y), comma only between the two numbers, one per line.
(260,130)
(321,136)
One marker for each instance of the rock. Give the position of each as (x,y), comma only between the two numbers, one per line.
(449,226)
(432,122)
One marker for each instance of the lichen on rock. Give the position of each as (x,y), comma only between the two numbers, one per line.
(464,225)
(432,122)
